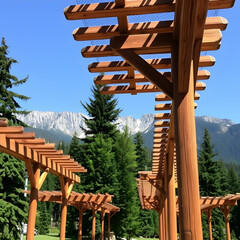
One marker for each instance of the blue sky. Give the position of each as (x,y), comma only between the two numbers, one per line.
(40,38)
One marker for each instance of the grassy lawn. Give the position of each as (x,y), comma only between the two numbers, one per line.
(46,237)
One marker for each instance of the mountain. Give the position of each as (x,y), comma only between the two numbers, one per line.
(55,127)
(69,122)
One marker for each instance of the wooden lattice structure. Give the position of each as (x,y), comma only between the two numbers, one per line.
(183,39)
(40,159)
(83,202)
(150,194)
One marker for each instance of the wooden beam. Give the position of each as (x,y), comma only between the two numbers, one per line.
(135,78)
(149,72)
(160,116)
(109,9)
(43,177)
(211,41)
(162,63)
(163,97)
(105,32)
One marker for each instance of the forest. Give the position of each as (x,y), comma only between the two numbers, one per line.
(113,160)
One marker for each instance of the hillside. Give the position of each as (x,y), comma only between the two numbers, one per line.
(56,127)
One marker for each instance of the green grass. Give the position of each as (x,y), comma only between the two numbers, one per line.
(46,237)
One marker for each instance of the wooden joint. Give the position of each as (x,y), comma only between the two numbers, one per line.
(70,187)
(43,177)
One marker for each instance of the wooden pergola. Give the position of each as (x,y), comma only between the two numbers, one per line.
(83,202)
(150,195)
(40,159)
(182,39)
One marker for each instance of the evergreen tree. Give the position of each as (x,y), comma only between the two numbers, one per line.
(45,209)
(209,181)
(126,223)
(234,187)
(13,205)
(147,227)
(8,99)
(142,153)
(103,113)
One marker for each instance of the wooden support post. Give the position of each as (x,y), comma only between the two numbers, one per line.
(209,215)
(171,198)
(80,224)
(226,210)
(160,214)
(187,168)
(228,235)
(33,201)
(93,224)
(166,219)
(109,220)
(102,223)
(64,186)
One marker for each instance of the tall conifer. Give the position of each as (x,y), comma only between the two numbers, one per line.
(102,113)
(209,181)
(8,99)
(13,205)
(126,224)
(142,153)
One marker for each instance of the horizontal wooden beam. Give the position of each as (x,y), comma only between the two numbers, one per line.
(162,63)
(109,9)
(211,41)
(162,97)
(105,32)
(162,124)
(160,116)
(125,78)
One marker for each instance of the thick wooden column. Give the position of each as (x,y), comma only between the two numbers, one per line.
(171,202)
(93,224)
(186,146)
(80,223)
(166,219)
(34,175)
(209,215)
(160,215)
(109,220)
(228,235)
(64,186)
(102,223)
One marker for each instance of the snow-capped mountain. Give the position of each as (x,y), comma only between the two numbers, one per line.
(69,122)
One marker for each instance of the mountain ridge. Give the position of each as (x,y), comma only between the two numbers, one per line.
(225,134)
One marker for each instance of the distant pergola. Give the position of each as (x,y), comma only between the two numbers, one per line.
(83,202)
(40,159)
(184,37)
(152,196)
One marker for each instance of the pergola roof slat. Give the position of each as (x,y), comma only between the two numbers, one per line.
(105,32)
(109,9)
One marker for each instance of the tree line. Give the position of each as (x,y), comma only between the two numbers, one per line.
(113,160)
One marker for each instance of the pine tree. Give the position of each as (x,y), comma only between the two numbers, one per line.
(103,113)
(234,187)
(209,181)
(45,209)
(208,168)
(142,153)
(126,223)
(8,99)
(13,205)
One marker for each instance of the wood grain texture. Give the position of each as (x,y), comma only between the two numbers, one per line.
(164,63)
(105,32)
(109,9)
